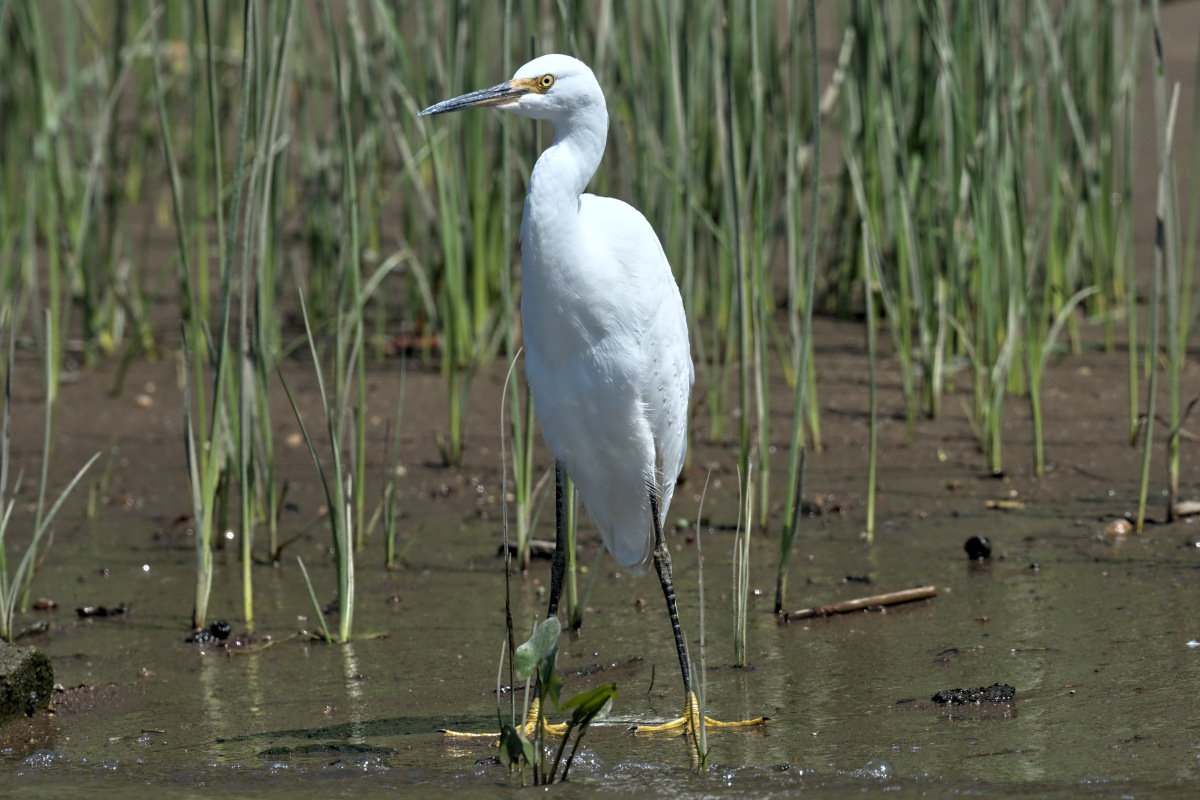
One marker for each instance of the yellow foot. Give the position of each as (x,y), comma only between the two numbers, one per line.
(689,722)
(528,728)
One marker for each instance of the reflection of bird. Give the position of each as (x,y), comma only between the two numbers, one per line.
(606,341)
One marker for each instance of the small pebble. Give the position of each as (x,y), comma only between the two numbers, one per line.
(978,548)
(1118,527)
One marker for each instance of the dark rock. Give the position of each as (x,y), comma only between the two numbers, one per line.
(217,632)
(102,611)
(996,693)
(978,548)
(26,681)
(538,548)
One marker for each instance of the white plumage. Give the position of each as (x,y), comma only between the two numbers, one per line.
(606,341)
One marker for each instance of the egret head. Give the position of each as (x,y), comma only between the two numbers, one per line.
(551,87)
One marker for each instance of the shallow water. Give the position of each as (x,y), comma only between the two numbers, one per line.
(1095,640)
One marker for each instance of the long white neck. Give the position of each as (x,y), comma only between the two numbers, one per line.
(560,175)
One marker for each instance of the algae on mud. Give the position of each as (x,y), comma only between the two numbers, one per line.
(26,680)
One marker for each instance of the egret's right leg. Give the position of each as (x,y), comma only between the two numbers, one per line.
(690,720)
(558,567)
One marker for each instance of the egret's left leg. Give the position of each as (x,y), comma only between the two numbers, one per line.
(558,566)
(557,569)
(690,720)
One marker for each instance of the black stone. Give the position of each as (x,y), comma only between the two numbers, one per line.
(978,548)
(996,693)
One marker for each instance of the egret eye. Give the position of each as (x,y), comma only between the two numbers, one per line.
(545,82)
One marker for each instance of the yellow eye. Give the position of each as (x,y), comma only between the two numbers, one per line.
(545,82)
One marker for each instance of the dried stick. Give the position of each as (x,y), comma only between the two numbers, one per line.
(889,599)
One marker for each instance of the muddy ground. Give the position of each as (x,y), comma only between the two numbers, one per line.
(1090,628)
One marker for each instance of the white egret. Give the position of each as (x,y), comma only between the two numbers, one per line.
(606,341)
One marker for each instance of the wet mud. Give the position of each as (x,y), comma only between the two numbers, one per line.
(1091,628)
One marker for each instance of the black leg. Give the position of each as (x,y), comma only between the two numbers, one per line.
(662,563)
(559,565)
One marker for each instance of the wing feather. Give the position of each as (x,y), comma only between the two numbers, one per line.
(609,364)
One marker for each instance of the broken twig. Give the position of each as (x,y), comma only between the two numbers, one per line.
(889,599)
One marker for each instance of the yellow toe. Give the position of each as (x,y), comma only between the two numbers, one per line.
(528,728)
(689,721)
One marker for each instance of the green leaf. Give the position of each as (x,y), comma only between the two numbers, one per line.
(541,644)
(590,704)
(548,679)
(514,747)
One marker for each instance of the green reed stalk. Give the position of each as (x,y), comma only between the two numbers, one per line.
(870,273)
(800,302)
(53,161)
(208,465)
(341,428)
(229,382)
(523,479)
(508,564)
(741,569)
(367,113)
(8,600)
(787,536)
(244,384)
(879,159)
(1165,127)
(1192,237)
(1178,324)
(265,333)
(350,285)
(1096,200)
(451,301)
(761,287)
(737,234)
(202,482)
(1177,302)
(1124,109)
(914,304)
(391,479)
(520,407)
(1182,327)
(312,596)
(338,491)
(215,161)
(254,452)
